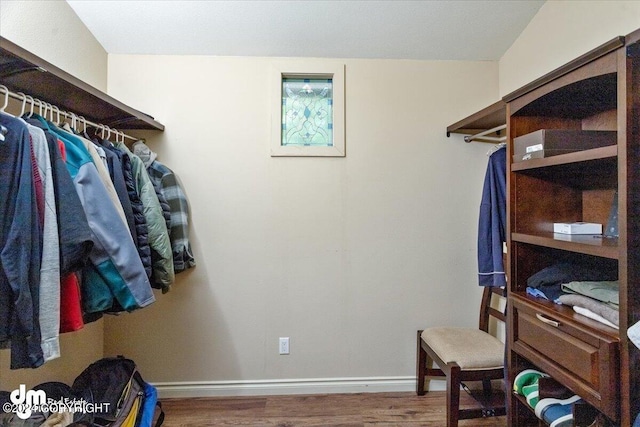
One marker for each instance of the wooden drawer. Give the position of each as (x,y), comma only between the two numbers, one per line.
(580,355)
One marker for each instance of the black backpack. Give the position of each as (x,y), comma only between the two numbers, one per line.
(118,393)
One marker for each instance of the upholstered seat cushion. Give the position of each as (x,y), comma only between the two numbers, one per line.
(471,349)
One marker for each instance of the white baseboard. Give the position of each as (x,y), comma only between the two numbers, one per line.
(290,386)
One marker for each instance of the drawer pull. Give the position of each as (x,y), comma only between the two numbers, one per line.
(543,319)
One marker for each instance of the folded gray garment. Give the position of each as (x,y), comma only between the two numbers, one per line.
(607,292)
(592,315)
(597,307)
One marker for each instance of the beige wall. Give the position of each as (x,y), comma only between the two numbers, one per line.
(78,350)
(51,30)
(562,31)
(346,256)
(391,245)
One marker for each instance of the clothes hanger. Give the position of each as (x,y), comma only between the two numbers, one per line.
(24,103)
(48,109)
(496,148)
(69,127)
(6,99)
(42,108)
(4,130)
(32,101)
(51,111)
(45,108)
(57,110)
(84,127)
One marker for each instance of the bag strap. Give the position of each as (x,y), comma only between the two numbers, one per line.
(161,416)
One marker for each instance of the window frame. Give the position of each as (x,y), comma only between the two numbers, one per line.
(308,70)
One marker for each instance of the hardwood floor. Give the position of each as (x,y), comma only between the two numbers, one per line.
(335,410)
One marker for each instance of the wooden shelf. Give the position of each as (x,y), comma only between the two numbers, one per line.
(22,71)
(584,244)
(488,118)
(566,159)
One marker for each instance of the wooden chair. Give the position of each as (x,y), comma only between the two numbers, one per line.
(465,354)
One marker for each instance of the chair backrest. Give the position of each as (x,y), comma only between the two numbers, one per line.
(487,310)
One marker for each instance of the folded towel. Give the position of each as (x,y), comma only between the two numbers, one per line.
(592,315)
(597,307)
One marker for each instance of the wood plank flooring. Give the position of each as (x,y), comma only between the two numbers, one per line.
(335,410)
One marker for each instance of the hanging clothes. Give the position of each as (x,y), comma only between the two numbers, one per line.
(74,234)
(50,263)
(114,166)
(115,270)
(100,166)
(163,272)
(83,232)
(492,224)
(20,252)
(141,230)
(166,180)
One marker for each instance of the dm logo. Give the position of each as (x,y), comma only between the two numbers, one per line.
(25,400)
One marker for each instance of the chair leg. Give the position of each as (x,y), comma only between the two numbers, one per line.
(453,395)
(421,366)
(486,387)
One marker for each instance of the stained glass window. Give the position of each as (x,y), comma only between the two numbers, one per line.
(307,112)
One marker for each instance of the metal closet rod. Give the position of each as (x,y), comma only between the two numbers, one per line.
(481,135)
(53,108)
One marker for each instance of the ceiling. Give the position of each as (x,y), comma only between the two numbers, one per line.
(426,30)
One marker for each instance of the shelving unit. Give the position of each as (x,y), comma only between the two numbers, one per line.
(598,91)
(22,71)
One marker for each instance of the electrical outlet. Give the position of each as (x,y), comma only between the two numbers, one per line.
(284,345)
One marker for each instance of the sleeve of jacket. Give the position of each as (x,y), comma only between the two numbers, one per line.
(73,230)
(179,232)
(164,205)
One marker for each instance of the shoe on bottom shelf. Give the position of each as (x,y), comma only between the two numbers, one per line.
(557,412)
(525,378)
(530,392)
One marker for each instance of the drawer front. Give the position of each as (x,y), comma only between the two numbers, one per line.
(583,359)
(563,349)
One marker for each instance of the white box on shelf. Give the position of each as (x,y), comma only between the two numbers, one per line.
(577,228)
